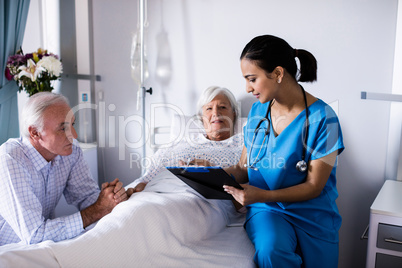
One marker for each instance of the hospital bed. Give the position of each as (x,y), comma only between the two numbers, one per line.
(158,239)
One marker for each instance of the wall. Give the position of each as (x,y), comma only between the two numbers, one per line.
(393,168)
(354,43)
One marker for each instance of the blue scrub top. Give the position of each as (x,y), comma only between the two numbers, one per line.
(277,161)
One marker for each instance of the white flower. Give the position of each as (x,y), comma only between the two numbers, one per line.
(32,71)
(52,65)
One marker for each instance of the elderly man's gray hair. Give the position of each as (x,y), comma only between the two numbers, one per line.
(32,113)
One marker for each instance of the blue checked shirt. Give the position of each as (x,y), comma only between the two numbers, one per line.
(31,187)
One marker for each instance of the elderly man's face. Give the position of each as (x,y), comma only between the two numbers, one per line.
(58,132)
(218,118)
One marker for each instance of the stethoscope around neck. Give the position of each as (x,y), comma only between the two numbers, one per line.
(301,165)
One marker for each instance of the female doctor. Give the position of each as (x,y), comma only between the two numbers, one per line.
(292,140)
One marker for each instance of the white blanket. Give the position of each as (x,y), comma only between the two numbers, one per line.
(166,225)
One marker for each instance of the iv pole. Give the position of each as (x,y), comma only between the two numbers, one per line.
(142,77)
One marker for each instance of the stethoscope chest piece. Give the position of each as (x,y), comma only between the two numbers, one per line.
(301,166)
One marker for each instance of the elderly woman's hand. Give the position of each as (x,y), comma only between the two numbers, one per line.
(196,162)
(138,188)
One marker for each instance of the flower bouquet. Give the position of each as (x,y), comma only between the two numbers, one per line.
(34,71)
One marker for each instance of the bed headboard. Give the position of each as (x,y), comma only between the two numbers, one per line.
(185,125)
(182,126)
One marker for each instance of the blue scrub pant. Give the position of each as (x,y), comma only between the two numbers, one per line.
(278,243)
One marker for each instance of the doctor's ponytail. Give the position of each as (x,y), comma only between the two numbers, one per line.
(269,52)
(308,66)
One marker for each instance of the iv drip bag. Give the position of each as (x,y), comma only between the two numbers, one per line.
(136,60)
(136,65)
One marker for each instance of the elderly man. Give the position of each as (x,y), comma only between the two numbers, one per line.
(36,169)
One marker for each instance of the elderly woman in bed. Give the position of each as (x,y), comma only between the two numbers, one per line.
(219,145)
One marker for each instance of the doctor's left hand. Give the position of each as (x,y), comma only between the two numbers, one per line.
(247,196)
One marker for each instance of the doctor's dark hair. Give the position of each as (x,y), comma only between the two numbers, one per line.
(269,52)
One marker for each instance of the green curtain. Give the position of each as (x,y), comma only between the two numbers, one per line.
(13,14)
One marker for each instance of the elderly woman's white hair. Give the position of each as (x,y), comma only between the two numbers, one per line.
(210,93)
(32,113)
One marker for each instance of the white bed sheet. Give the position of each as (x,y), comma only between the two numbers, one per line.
(166,225)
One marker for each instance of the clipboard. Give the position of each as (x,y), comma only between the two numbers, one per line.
(208,181)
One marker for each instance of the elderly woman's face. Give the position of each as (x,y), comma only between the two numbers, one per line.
(218,118)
